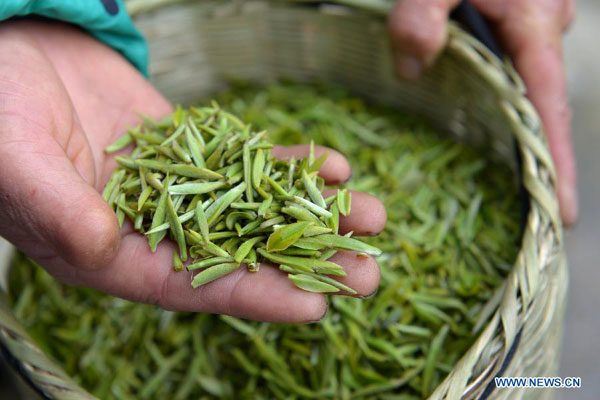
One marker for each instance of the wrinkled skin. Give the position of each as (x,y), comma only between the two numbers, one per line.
(530,32)
(63,98)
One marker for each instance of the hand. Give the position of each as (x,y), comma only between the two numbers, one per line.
(63,98)
(530,31)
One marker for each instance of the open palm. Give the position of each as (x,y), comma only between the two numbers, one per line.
(63,98)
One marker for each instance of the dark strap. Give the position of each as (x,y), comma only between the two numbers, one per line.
(468,16)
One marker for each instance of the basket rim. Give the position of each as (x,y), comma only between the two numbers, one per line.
(504,320)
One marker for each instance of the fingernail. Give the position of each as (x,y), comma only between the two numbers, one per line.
(350,177)
(408,67)
(369,295)
(322,316)
(569,207)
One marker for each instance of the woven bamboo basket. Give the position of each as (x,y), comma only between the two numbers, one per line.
(196,46)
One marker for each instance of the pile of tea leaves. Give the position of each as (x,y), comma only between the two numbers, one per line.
(208,181)
(451,237)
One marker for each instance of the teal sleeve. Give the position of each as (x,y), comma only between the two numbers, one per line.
(106,20)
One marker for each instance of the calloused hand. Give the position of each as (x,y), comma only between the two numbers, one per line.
(530,31)
(63,98)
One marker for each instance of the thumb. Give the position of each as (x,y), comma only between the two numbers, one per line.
(532,33)
(48,209)
(418,30)
(48,205)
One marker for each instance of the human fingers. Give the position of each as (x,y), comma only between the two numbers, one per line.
(418,30)
(532,33)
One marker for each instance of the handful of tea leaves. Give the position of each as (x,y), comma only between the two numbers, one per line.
(207,180)
(451,237)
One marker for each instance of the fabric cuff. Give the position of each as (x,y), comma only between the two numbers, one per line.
(106,20)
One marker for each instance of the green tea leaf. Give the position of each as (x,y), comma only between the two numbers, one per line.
(310,284)
(314,265)
(159,217)
(119,144)
(313,208)
(213,273)
(313,191)
(344,202)
(258,165)
(245,248)
(177,263)
(432,357)
(287,235)
(196,187)
(176,228)
(341,243)
(217,208)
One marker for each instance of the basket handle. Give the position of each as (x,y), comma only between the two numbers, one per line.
(467,15)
